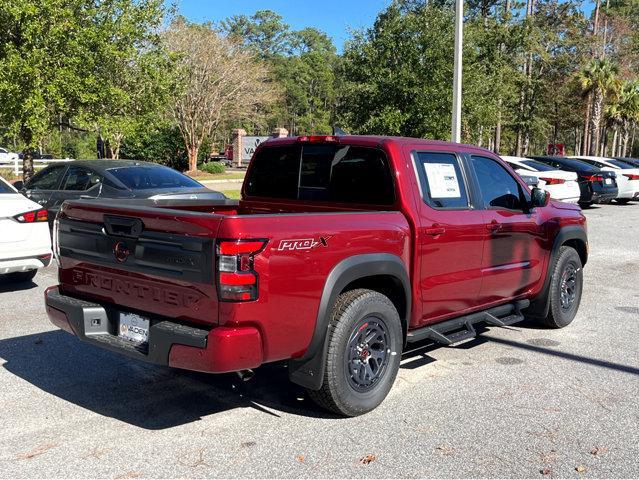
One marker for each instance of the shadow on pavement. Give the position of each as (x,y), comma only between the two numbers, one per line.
(148,396)
(155,398)
(568,356)
(7,285)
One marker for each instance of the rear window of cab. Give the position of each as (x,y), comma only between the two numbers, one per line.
(323,173)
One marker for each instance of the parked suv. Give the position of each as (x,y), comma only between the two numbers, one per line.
(341,252)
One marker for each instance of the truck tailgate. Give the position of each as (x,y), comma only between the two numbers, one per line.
(153,260)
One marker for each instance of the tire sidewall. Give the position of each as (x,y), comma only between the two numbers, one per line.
(563,317)
(350,400)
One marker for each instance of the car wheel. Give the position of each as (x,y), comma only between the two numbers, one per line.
(364,350)
(585,204)
(18,277)
(565,288)
(623,201)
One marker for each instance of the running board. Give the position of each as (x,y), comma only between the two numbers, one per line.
(461,328)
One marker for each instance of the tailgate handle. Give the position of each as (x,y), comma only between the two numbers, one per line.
(123,226)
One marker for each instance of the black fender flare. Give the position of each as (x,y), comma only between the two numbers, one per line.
(308,371)
(540,305)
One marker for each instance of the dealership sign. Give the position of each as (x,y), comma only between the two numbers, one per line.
(249,144)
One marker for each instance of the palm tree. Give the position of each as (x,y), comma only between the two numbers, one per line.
(597,78)
(628,111)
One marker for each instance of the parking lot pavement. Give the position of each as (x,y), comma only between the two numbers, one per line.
(516,402)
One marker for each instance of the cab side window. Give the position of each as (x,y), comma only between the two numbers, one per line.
(80,179)
(442,181)
(498,188)
(48,179)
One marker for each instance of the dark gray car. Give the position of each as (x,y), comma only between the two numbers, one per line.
(111,179)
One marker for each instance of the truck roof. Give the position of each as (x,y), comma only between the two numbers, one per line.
(375,140)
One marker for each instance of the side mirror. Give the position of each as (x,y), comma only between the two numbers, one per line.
(18,185)
(539,197)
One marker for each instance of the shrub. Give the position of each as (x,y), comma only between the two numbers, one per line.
(213,167)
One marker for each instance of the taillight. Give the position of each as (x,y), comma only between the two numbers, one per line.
(237,279)
(631,176)
(553,181)
(593,178)
(33,216)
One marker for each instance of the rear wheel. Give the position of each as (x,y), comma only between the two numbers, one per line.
(565,288)
(364,351)
(585,204)
(623,201)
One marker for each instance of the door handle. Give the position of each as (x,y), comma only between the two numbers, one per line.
(435,230)
(494,226)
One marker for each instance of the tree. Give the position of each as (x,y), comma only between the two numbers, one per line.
(56,56)
(596,79)
(302,63)
(218,80)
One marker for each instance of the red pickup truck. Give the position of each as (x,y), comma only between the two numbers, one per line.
(341,251)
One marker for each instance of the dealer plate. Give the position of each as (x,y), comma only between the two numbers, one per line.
(134,328)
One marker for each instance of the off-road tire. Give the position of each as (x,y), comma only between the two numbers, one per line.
(353,312)
(558,315)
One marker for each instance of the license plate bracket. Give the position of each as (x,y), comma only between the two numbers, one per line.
(133,328)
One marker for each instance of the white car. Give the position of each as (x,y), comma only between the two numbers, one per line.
(627,176)
(561,185)
(25,241)
(7,156)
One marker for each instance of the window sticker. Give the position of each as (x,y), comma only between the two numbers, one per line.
(442,180)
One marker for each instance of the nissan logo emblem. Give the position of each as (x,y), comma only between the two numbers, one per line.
(121,251)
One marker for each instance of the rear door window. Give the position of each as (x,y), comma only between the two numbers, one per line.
(442,180)
(80,179)
(322,172)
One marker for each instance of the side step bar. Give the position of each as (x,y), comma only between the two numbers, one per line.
(461,328)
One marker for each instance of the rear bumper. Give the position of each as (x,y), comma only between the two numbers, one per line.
(24,264)
(221,349)
(599,197)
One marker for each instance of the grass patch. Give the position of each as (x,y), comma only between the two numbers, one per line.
(218,176)
(8,174)
(234,194)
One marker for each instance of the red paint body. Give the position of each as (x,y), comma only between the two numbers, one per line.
(465,268)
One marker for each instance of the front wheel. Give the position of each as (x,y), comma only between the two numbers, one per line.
(623,201)
(565,288)
(364,351)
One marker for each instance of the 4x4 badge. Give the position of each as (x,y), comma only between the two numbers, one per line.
(303,243)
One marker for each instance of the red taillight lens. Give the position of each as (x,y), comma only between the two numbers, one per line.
(317,139)
(33,216)
(593,178)
(553,181)
(631,176)
(237,280)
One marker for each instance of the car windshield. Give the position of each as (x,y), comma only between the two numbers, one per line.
(538,166)
(622,165)
(5,188)
(146,177)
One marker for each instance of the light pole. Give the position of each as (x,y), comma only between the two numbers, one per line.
(457,74)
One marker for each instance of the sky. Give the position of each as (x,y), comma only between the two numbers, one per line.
(335,17)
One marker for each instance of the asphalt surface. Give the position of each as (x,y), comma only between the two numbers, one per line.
(516,402)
